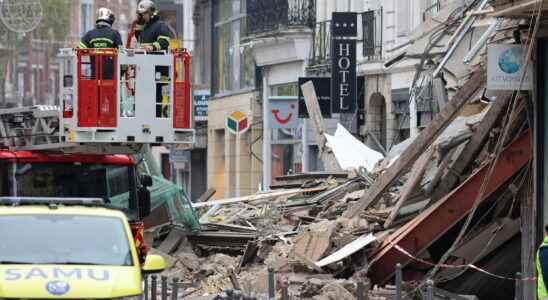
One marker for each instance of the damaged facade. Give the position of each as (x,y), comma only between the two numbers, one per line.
(453,197)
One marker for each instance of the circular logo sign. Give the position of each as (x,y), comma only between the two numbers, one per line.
(511,60)
(57,287)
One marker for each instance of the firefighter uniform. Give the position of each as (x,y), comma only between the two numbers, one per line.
(155,33)
(103,36)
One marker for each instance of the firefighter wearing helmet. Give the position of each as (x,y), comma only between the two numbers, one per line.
(152,33)
(102,36)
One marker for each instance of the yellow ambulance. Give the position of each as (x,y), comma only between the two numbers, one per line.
(68,249)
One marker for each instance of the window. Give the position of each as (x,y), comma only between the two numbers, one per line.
(403,11)
(87,67)
(128,73)
(163,91)
(86,17)
(64,239)
(107,68)
(287,89)
(233,65)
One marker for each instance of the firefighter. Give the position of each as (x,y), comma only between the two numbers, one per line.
(542,267)
(152,33)
(102,36)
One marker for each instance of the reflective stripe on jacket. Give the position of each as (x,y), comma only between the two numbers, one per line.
(101,37)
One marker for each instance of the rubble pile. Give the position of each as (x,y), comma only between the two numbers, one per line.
(320,247)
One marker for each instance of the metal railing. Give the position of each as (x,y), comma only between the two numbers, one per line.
(372,34)
(371,38)
(162,288)
(272,15)
(321,49)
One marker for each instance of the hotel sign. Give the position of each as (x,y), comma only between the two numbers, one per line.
(343,76)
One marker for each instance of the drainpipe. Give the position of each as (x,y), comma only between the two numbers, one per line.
(304,136)
(267,134)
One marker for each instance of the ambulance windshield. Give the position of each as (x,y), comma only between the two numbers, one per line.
(64,239)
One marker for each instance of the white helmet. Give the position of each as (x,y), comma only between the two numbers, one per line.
(146,6)
(106,15)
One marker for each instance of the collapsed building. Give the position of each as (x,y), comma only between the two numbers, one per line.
(454,204)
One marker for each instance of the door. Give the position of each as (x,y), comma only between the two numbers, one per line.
(107,91)
(88,89)
(97,86)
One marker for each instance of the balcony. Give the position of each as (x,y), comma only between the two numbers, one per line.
(321,50)
(266,17)
(369,41)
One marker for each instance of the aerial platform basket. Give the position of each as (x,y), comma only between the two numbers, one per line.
(112,101)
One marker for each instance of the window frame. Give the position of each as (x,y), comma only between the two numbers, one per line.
(230,73)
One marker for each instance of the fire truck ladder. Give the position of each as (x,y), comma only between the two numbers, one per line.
(37,128)
(30,127)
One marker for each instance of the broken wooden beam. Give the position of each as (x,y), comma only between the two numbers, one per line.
(439,92)
(425,229)
(420,144)
(207,195)
(419,167)
(311,101)
(257,197)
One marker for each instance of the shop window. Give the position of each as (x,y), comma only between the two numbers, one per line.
(163,91)
(128,73)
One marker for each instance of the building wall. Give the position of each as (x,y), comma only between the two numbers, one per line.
(231,173)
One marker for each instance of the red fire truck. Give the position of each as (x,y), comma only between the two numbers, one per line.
(112,104)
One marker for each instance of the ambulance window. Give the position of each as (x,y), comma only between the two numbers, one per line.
(87,67)
(107,68)
(163,91)
(128,73)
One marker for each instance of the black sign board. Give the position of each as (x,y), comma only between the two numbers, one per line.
(343,76)
(322,86)
(344,24)
(323,92)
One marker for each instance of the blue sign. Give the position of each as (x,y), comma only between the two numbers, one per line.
(201,97)
(57,287)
